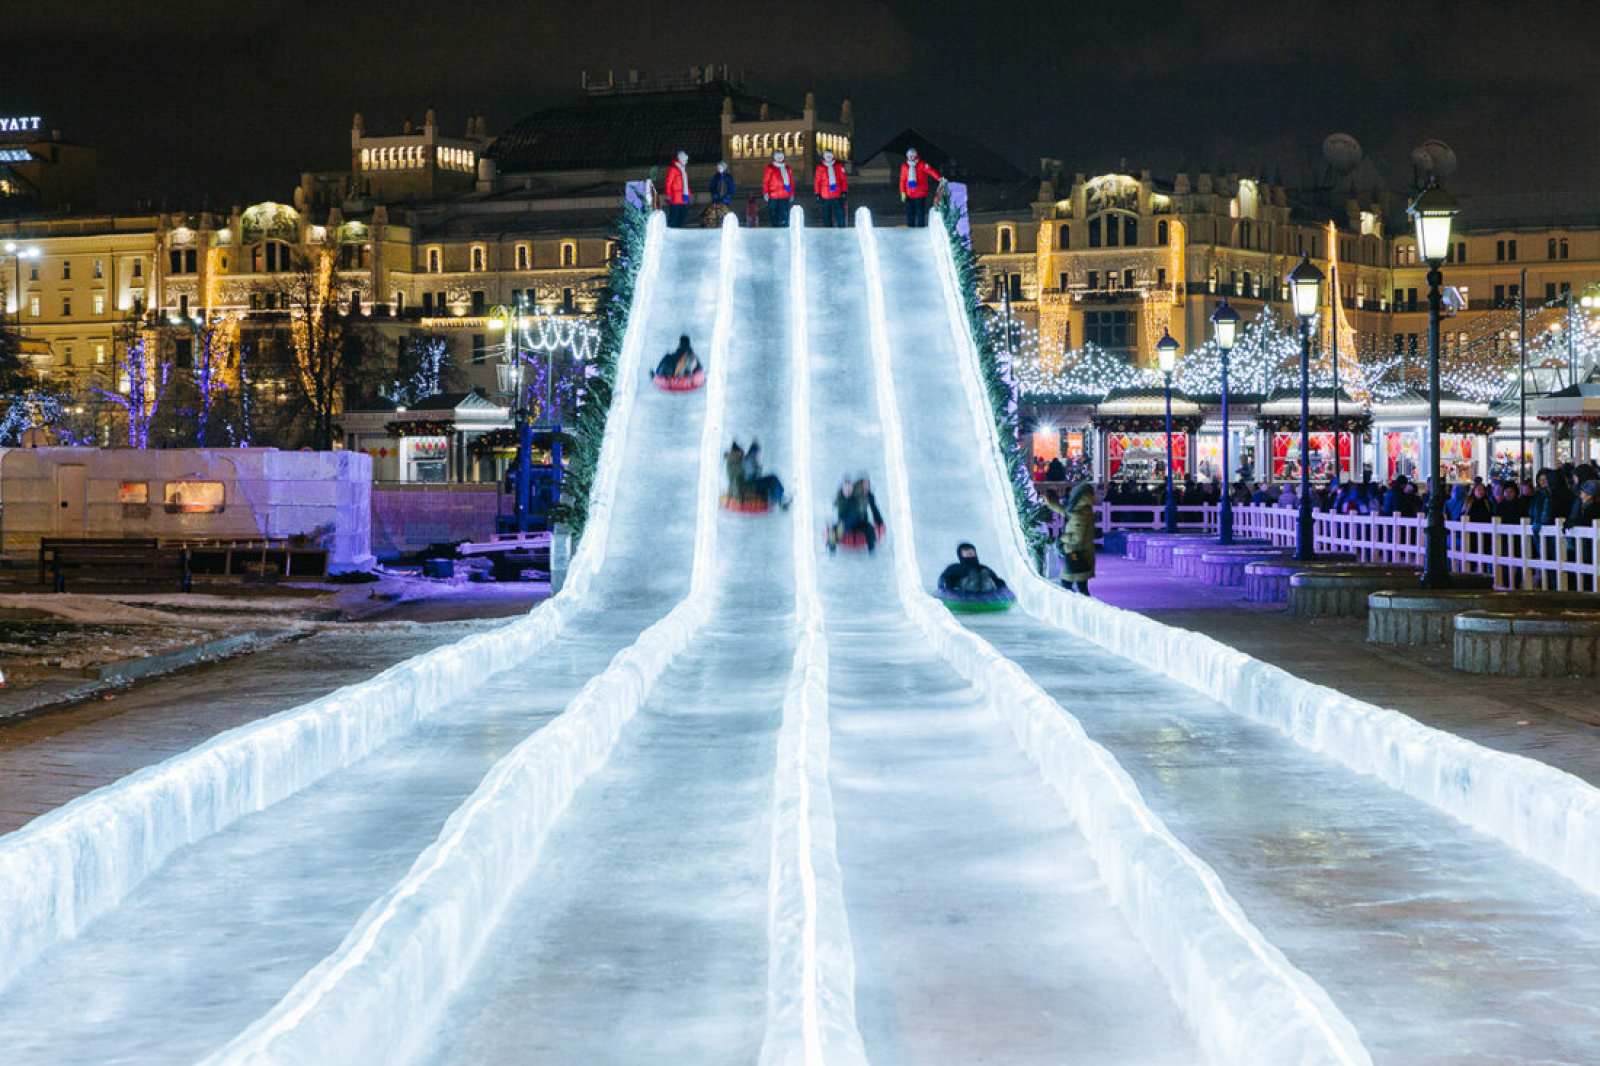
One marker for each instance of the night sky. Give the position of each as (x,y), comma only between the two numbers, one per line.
(226,102)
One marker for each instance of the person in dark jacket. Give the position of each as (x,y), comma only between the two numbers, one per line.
(1551,501)
(856,511)
(966,574)
(1587,509)
(1478,508)
(1055,471)
(722,186)
(759,483)
(680,363)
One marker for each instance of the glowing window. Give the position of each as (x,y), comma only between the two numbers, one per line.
(135,492)
(194,497)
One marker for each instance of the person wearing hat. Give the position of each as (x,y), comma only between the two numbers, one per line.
(830,186)
(676,186)
(777,189)
(721,197)
(966,574)
(918,183)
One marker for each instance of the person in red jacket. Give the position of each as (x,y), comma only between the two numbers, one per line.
(676,188)
(918,183)
(777,189)
(830,187)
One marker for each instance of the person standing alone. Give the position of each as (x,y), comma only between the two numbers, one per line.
(918,183)
(777,189)
(830,187)
(676,188)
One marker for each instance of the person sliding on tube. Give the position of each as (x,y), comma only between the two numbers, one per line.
(967,575)
(762,485)
(918,183)
(857,512)
(830,187)
(676,190)
(777,189)
(681,363)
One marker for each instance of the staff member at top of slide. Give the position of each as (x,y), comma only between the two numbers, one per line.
(777,189)
(831,185)
(918,182)
(676,189)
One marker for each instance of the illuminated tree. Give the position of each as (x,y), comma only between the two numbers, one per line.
(332,351)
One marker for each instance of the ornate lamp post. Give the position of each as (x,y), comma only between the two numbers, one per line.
(1225,322)
(1305,292)
(1433,212)
(1167,355)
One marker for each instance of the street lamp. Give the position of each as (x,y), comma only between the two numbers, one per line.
(1305,292)
(1433,212)
(1225,322)
(1167,355)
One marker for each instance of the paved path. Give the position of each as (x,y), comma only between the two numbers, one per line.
(51,758)
(1554,720)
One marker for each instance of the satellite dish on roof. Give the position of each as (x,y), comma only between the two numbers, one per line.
(1342,151)
(1443,157)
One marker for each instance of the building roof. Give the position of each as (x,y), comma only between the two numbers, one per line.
(632,129)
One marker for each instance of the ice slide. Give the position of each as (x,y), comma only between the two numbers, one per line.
(727,798)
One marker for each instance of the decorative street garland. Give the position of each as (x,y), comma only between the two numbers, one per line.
(1146,423)
(420,429)
(589,424)
(494,442)
(1318,424)
(1569,420)
(999,384)
(1469,427)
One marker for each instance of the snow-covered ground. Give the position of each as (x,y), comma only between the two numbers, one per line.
(665,823)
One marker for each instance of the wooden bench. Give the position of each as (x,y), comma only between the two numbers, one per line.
(254,556)
(132,559)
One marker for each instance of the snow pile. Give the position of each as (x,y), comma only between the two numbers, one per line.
(811,1015)
(1547,814)
(1246,1002)
(61,870)
(377,998)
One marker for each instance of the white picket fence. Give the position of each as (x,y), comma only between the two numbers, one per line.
(1518,557)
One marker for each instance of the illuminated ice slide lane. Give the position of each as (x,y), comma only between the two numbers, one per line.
(1441,944)
(221,931)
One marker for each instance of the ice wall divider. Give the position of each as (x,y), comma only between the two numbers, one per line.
(1243,998)
(379,995)
(1548,815)
(63,869)
(811,1017)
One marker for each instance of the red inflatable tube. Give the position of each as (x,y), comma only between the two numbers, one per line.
(745,504)
(672,384)
(854,539)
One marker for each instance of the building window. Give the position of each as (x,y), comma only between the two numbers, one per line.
(138,268)
(1551,254)
(66,307)
(183,352)
(194,497)
(33,306)
(611,250)
(1095,226)
(99,354)
(1111,330)
(522,257)
(181,261)
(99,304)
(1016,287)
(1162,235)
(1549,291)
(1130,233)
(1003,240)
(399,303)
(479,304)
(1064,236)
(99,268)
(435,261)
(569,253)
(66,270)
(1563,248)
(1161,277)
(480,348)
(66,354)
(477,260)
(427,303)
(1094,279)
(183,306)
(355,301)
(1127,279)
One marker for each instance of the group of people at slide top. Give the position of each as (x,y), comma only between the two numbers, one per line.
(920,185)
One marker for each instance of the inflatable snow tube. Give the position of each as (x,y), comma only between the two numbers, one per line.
(745,504)
(667,383)
(857,539)
(977,602)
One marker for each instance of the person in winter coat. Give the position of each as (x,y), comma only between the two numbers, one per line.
(777,189)
(1077,539)
(966,574)
(721,198)
(733,459)
(856,511)
(680,363)
(1478,507)
(830,186)
(676,187)
(1551,501)
(758,483)
(918,184)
